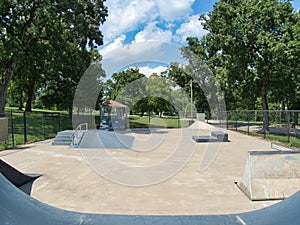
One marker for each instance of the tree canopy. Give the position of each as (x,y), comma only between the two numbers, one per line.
(253,49)
(142,94)
(46,41)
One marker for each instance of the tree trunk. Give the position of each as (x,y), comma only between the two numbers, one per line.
(5,77)
(71,110)
(21,102)
(296,117)
(30,94)
(265,112)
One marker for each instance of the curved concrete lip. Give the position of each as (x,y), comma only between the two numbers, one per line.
(17,208)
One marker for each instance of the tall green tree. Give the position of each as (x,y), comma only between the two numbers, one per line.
(35,33)
(125,85)
(182,76)
(251,47)
(159,94)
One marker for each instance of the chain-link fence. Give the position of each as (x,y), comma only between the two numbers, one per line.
(281,125)
(25,127)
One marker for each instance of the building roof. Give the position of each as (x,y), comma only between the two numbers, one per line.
(111,103)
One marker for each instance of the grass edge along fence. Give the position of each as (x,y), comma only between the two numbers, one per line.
(26,127)
(283,124)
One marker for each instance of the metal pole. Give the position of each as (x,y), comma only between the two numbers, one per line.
(289,123)
(43,125)
(12,128)
(25,128)
(236,120)
(59,124)
(248,122)
(226,120)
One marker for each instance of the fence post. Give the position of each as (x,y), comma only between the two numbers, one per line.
(12,128)
(236,120)
(25,128)
(288,123)
(226,120)
(43,125)
(248,115)
(59,125)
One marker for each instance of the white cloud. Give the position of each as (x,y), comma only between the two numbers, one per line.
(125,16)
(193,28)
(117,43)
(128,15)
(146,70)
(153,33)
(141,52)
(171,10)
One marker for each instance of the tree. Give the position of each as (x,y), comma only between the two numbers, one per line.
(159,95)
(35,33)
(139,93)
(251,47)
(182,76)
(125,86)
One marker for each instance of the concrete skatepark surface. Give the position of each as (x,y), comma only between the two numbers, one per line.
(105,139)
(17,208)
(70,184)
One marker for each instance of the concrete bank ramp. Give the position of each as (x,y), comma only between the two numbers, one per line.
(15,176)
(201,125)
(105,139)
(271,175)
(17,208)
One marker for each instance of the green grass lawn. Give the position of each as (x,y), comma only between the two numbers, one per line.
(281,139)
(41,125)
(135,121)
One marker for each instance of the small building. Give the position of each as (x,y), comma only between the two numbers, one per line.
(113,115)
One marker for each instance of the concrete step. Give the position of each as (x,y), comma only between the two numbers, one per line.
(63,138)
(62,143)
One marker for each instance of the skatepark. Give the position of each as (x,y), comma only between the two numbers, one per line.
(69,182)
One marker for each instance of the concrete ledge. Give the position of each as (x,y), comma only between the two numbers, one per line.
(221,136)
(205,139)
(271,175)
(216,136)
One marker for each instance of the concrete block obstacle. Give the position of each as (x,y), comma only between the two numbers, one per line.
(271,175)
(17,178)
(221,136)
(17,208)
(205,139)
(216,136)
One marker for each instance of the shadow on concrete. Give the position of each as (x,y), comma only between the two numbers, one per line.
(17,178)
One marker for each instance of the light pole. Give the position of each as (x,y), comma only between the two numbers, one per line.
(191,85)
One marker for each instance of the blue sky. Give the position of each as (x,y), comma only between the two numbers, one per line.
(135,21)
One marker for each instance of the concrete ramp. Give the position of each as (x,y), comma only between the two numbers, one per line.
(17,208)
(105,139)
(15,176)
(271,175)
